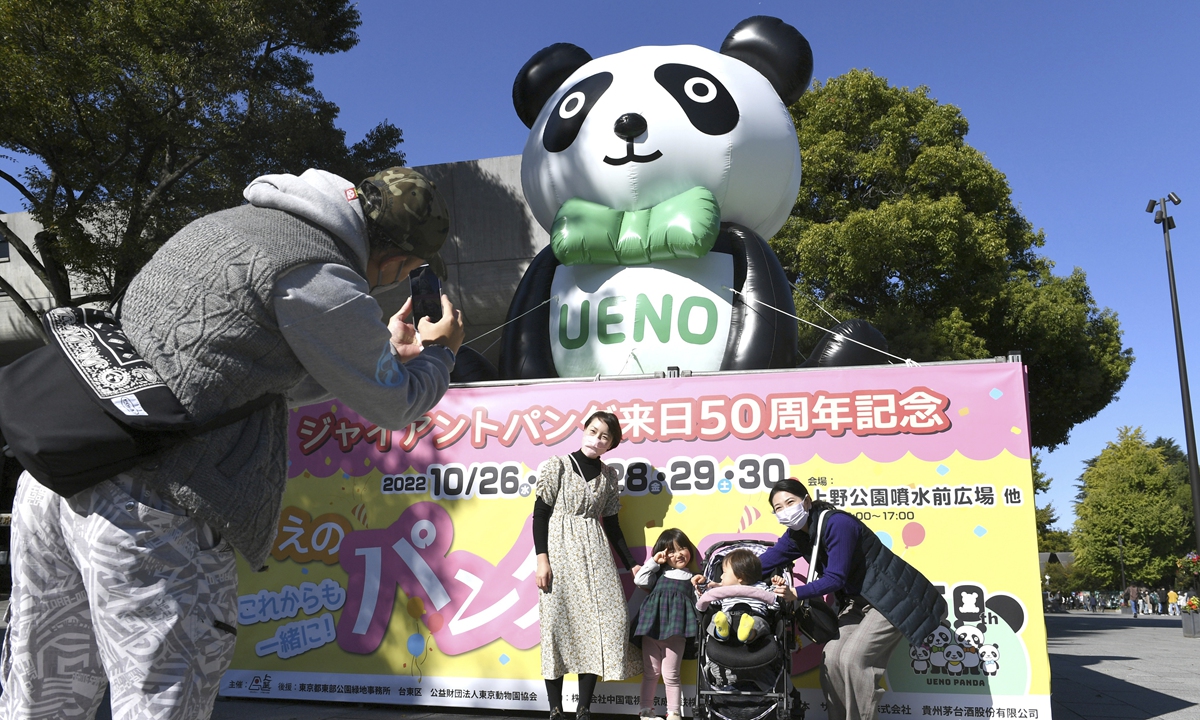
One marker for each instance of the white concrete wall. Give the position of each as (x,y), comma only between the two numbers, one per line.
(493,237)
(19,335)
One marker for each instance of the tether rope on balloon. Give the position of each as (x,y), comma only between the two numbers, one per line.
(505,324)
(813,300)
(907,361)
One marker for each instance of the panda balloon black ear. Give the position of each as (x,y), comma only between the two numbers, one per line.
(775,49)
(542,75)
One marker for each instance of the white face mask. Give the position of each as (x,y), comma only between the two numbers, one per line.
(794,517)
(381,287)
(592,446)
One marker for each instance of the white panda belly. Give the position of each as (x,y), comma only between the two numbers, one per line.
(613,320)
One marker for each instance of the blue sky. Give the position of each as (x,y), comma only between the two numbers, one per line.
(1088,108)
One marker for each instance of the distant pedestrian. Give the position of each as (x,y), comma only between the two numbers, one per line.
(1131,594)
(1155,608)
(1091,601)
(1172,603)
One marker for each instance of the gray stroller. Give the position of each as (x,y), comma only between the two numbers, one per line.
(750,681)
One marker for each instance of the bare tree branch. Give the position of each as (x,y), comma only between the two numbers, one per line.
(26,309)
(167,182)
(20,187)
(85,195)
(60,282)
(133,221)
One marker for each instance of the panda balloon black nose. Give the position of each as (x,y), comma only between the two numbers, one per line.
(629,126)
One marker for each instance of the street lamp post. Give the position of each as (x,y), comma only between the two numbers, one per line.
(1162,218)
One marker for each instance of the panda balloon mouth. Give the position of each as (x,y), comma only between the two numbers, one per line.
(632,156)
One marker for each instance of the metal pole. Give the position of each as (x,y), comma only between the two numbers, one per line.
(1188,429)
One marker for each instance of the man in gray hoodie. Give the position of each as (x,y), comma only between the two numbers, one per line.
(132,583)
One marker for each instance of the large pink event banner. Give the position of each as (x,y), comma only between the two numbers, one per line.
(977,410)
(402,568)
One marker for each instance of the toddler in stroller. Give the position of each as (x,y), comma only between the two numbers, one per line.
(744,655)
(742,592)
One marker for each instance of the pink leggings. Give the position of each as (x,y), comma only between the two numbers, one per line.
(662,657)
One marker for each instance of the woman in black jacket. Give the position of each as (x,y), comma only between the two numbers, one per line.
(880,597)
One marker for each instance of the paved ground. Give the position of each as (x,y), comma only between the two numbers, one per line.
(1113,666)
(259,710)
(1102,666)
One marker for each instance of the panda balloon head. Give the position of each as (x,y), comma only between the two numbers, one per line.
(659,172)
(632,129)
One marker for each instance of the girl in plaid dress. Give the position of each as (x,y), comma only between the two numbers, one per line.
(667,620)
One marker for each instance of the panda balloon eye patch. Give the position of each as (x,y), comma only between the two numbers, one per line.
(564,122)
(708,105)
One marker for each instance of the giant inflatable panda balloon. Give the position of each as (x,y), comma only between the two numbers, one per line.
(659,172)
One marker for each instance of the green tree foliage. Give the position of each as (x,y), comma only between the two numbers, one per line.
(900,222)
(1066,579)
(1128,491)
(1181,483)
(1041,481)
(142,115)
(1049,538)
(1177,468)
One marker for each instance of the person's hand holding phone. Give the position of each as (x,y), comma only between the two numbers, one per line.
(448,331)
(438,323)
(425,291)
(404,338)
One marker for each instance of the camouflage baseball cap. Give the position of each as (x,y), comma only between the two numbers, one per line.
(405,207)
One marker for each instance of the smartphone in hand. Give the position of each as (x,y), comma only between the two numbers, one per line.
(426,291)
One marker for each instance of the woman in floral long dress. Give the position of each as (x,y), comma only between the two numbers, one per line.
(584,626)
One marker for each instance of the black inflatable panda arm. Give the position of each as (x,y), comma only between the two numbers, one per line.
(525,351)
(759,337)
(847,344)
(542,74)
(775,49)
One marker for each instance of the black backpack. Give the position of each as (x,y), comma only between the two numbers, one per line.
(87,407)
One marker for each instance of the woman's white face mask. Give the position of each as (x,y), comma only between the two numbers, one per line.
(794,516)
(592,446)
(596,439)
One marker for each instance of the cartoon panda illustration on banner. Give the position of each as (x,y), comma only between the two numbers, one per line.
(965,650)
(659,172)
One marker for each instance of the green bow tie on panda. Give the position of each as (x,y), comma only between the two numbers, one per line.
(588,233)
